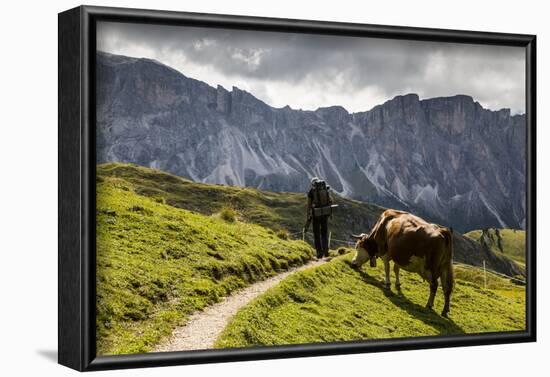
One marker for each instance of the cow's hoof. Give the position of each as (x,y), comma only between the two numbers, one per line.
(445,314)
(429,307)
(398,286)
(387,285)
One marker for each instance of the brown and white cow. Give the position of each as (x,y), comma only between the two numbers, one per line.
(412,244)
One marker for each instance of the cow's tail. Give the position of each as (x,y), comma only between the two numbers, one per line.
(447,275)
(447,267)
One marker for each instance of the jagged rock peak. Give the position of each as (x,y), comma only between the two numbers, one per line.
(447,158)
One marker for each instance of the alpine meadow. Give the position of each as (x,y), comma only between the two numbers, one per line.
(169,247)
(336,195)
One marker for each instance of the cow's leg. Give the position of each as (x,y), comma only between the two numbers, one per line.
(447,283)
(387,281)
(396,272)
(433,290)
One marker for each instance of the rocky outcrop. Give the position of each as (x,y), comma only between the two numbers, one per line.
(447,159)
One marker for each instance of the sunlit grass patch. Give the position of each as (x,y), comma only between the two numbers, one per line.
(335,302)
(156,264)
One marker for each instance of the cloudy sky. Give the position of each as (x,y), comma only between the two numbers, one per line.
(308,71)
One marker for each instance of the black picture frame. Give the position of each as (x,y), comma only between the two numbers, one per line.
(76,163)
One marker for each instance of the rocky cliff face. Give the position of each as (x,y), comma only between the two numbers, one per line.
(447,159)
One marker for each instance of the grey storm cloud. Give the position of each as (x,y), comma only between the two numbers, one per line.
(284,68)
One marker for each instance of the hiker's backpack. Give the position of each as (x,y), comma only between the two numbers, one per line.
(321,196)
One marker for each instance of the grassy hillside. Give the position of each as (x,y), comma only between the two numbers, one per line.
(167,247)
(281,212)
(273,210)
(156,264)
(508,242)
(334,302)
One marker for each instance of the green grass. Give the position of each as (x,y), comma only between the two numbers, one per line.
(334,302)
(494,282)
(282,212)
(512,242)
(228,214)
(273,210)
(156,264)
(168,247)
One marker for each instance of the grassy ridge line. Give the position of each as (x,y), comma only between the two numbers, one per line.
(512,242)
(156,264)
(334,302)
(273,210)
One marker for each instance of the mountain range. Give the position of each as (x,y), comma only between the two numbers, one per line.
(447,158)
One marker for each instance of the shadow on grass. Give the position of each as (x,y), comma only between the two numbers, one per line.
(445,326)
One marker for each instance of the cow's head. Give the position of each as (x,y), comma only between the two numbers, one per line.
(367,249)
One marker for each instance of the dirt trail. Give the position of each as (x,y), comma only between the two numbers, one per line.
(203,328)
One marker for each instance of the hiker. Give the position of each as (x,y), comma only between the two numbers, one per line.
(319,209)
